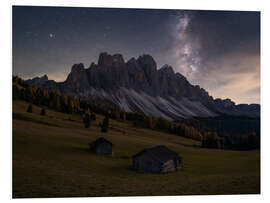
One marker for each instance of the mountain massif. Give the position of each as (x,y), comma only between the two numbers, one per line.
(138,85)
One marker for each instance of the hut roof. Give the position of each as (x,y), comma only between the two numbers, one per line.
(160,153)
(100,141)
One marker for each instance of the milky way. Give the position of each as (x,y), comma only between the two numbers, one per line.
(218,50)
(185,51)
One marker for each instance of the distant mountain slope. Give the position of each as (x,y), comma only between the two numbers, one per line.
(137,85)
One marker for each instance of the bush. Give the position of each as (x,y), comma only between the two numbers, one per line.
(43,112)
(30,108)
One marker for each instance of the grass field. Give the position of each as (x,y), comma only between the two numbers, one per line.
(50,159)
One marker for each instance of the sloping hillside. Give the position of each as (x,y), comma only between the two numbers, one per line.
(50,159)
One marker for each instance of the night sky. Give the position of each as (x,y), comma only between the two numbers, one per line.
(218,50)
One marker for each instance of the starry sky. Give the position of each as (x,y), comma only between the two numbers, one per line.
(218,50)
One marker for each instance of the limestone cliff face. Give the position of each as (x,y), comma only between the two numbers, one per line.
(77,79)
(138,84)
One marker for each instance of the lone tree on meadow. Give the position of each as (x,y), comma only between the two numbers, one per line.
(105,124)
(43,112)
(30,108)
(86,120)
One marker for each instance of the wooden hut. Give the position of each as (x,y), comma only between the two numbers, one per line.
(101,146)
(158,159)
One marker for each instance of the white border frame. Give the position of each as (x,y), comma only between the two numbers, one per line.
(6,72)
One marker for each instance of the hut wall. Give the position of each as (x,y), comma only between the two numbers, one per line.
(104,148)
(146,164)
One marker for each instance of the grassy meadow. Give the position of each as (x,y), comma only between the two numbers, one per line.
(51,159)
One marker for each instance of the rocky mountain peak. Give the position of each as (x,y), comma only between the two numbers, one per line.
(118,58)
(167,69)
(228,103)
(38,80)
(44,77)
(77,68)
(133,65)
(138,85)
(147,62)
(108,60)
(132,60)
(77,78)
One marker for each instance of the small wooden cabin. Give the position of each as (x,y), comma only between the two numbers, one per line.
(158,159)
(101,146)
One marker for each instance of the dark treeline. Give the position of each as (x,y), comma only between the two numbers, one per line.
(222,132)
(42,97)
(224,125)
(236,132)
(237,138)
(232,125)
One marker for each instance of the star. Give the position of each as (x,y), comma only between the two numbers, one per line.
(51,35)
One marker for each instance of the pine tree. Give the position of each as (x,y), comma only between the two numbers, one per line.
(43,112)
(93,116)
(15,92)
(148,122)
(70,105)
(86,120)
(30,108)
(28,94)
(63,103)
(117,114)
(105,124)
(123,115)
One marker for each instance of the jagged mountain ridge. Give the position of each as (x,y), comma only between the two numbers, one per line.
(137,85)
